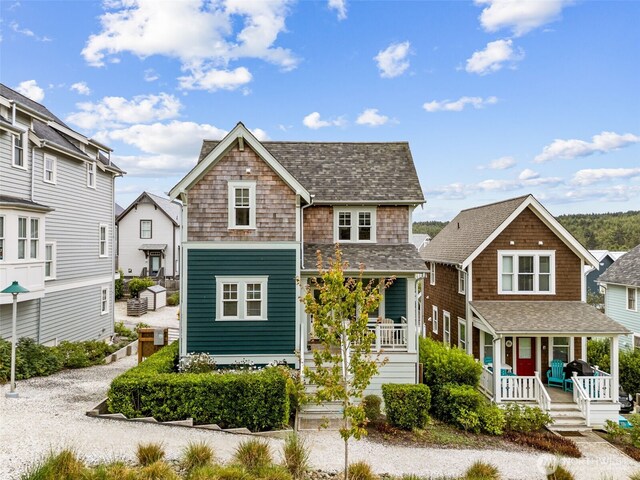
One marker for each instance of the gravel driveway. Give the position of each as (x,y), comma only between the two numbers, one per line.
(162,318)
(50,414)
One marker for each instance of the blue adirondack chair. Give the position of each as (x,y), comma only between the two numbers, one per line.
(555,375)
(488,360)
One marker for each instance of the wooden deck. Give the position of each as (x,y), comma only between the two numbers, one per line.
(558,395)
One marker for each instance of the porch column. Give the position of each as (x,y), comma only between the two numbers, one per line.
(497,363)
(615,374)
(584,348)
(412,337)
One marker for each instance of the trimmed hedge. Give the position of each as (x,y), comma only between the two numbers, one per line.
(406,405)
(257,401)
(453,401)
(443,364)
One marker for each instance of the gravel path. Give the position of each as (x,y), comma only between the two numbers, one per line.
(165,317)
(50,414)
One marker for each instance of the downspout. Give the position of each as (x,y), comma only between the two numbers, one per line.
(33,170)
(302,230)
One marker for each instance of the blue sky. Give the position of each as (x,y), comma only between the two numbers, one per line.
(496,97)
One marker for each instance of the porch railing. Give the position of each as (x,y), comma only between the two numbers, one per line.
(544,400)
(518,388)
(390,336)
(600,373)
(486,382)
(581,399)
(595,388)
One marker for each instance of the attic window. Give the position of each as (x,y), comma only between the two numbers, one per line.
(242,204)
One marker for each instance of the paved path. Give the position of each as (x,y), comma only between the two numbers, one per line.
(50,414)
(164,317)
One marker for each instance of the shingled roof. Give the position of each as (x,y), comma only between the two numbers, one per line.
(625,270)
(347,172)
(466,232)
(171,209)
(374,257)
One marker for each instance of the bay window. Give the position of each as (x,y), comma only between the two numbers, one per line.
(529,272)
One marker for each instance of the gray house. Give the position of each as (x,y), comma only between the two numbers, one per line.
(56,225)
(605,259)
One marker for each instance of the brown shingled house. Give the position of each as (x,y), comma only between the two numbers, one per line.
(505,283)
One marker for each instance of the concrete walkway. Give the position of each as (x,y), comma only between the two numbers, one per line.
(162,318)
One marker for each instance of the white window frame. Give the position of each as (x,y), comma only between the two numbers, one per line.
(552,345)
(104,300)
(53,170)
(52,261)
(91,174)
(484,345)
(242,283)
(150,229)
(3,223)
(462,282)
(536,254)
(446,327)
(354,212)
(432,273)
(104,242)
(22,137)
(635,299)
(434,319)
(462,342)
(34,238)
(232,186)
(25,239)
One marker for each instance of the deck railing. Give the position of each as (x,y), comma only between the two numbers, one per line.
(581,399)
(486,382)
(516,388)
(595,388)
(390,336)
(544,400)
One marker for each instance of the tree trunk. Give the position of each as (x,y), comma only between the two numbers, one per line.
(346,458)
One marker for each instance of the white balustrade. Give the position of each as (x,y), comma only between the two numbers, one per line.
(544,400)
(514,388)
(486,381)
(595,388)
(390,336)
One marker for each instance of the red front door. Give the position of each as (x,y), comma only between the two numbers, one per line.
(526,356)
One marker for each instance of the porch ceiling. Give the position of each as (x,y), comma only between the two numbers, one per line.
(375,257)
(545,317)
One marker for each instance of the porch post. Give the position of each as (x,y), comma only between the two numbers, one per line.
(411,315)
(584,348)
(615,374)
(497,364)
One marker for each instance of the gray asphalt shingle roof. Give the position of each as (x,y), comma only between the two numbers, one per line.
(466,232)
(172,209)
(354,172)
(22,202)
(625,270)
(402,257)
(543,317)
(27,102)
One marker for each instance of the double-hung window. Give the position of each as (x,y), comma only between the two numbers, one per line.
(446,320)
(462,282)
(34,235)
(1,238)
(560,349)
(432,273)
(146,230)
(22,237)
(18,151)
(356,224)
(49,169)
(462,334)
(241,298)
(528,272)
(632,299)
(104,300)
(242,204)
(49,261)
(487,346)
(434,318)
(91,175)
(104,242)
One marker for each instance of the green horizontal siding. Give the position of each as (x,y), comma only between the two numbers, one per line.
(276,336)
(395,300)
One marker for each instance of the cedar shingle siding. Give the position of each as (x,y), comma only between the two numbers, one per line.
(444,295)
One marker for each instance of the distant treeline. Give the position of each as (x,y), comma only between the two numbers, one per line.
(596,231)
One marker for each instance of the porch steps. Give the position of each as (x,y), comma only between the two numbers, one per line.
(313,416)
(567,416)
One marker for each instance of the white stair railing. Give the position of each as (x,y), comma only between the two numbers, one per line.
(581,399)
(486,382)
(544,400)
(596,388)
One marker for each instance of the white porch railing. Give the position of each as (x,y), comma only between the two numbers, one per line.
(600,373)
(581,399)
(486,382)
(524,389)
(390,336)
(544,400)
(595,388)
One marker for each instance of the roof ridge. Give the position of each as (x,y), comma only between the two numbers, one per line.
(394,142)
(495,203)
(53,117)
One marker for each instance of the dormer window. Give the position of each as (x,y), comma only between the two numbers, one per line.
(242,204)
(355,224)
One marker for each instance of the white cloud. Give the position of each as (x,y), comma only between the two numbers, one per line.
(30,89)
(521,16)
(573,148)
(81,87)
(314,122)
(27,32)
(340,6)
(526,179)
(589,176)
(492,58)
(202,35)
(260,134)
(150,75)
(458,105)
(392,61)
(528,174)
(452,191)
(118,111)
(213,79)
(501,163)
(372,118)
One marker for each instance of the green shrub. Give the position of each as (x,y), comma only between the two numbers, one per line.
(522,418)
(614,431)
(454,401)
(296,456)
(482,471)
(58,466)
(372,407)
(253,454)
(82,354)
(492,419)
(112,471)
(634,432)
(629,366)
(34,360)
(257,401)
(148,453)
(137,284)
(122,331)
(598,353)
(173,299)
(273,472)
(361,471)
(158,471)
(118,286)
(195,455)
(407,406)
(230,472)
(443,364)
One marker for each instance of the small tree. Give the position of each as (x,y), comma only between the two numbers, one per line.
(345,364)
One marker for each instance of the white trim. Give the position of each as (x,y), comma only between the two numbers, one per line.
(104,299)
(91,169)
(240,245)
(432,273)
(67,131)
(24,140)
(239,131)
(106,240)
(583,280)
(570,353)
(3,234)
(483,344)
(462,280)
(434,318)
(354,213)
(259,359)
(549,220)
(53,261)
(446,318)
(463,322)
(232,185)
(241,299)
(54,169)
(61,286)
(635,299)
(536,254)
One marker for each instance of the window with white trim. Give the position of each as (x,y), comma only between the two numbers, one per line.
(434,318)
(446,327)
(34,235)
(241,298)
(50,169)
(104,300)
(49,260)
(354,224)
(17,156)
(22,237)
(91,175)
(242,204)
(462,334)
(560,349)
(462,282)
(528,272)
(487,346)
(146,229)
(432,273)
(104,241)
(1,238)
(632,299)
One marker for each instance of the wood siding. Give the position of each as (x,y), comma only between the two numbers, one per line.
(208,201)
(274,336)
(318,224)
(395,300)
(444,295)
(615,302)
(526,231)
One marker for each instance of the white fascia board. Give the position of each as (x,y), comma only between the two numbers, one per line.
(239,131)
(37,141)
(69,132)
(11,128)
(488,327)
(66,151)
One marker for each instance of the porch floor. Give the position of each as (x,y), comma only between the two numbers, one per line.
(557,395)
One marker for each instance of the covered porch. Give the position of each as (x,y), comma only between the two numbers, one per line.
(525,348)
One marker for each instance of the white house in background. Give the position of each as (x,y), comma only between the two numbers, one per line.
(56,225)
(420,240)
(149,237)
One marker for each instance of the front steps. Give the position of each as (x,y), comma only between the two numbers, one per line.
(567,417)
(314,416)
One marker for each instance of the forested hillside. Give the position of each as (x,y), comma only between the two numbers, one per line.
(596,231)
